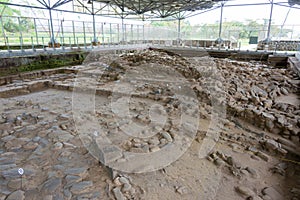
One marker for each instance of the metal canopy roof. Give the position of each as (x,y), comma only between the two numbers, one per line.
(160,8)
(144,9)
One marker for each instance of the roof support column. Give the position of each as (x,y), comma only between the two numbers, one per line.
(52,41)
(123,30)
(94,40)
(179,30)
(220,40)
(268,39)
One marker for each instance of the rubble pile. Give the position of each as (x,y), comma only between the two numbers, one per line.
(264,96)
(40,131)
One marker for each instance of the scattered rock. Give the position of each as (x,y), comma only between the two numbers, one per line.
(273,193)
(253,172)
(263,156)
(51,185)
(118,194)
(245,191)
(219,162)
(81,187)
(81,172)
(271,145)
(58,146)
(71,179)
(126,187)
(182,190)
(63,117)
(17,195)
(123,180)
(231,161)
(167,136)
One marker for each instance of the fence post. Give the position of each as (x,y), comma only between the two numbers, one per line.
(62,33)
(21,36)
(32,45)
(102,31)
(74,35)
(84,36)
(62,45)
(143,33)
(7,43)
(131,32)
(110,34)
(118,33)
(43,44)
(36,32)
(138,33)
(123,30)
(70,43)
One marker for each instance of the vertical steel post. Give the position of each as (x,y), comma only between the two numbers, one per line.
(138,32)
(52,40)
(43,44)
(143,33)
(118,27)
(7,43)
(32,45)
(102,32)
(74,34)
(149,33)
(95,40)
(49,28)
(62,32)
(221,20)
(219,40)
(123,30)
(110,33)
(63,44)
(179,30)
(21,36)
(131,31)
(268,39)
(84,35)
(36,32)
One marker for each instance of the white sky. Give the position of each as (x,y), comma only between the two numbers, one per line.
(236,13)
(241,13)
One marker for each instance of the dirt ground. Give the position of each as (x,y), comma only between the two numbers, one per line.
(56,127)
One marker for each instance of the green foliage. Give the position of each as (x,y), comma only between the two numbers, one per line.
(186,27)
(235,29)
(11,23)
(7,10)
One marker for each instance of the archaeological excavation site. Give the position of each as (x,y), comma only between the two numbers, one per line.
(121,105)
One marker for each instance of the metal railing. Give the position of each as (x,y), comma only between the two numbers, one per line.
(24,34)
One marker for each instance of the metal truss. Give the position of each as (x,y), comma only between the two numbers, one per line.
(145,9)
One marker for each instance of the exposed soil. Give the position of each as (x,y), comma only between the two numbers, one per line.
(173,127)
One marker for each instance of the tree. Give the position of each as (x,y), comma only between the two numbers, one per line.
(186,28)
(10,20)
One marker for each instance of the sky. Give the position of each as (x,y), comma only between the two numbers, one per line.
(236,13)
(241,13)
